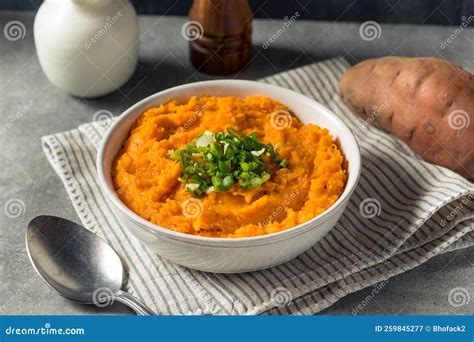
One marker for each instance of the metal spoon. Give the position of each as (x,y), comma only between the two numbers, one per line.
(77,264)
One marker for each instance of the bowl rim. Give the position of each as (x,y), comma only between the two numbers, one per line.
(283,234)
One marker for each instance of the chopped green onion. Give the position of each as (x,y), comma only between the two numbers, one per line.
(283,163)
(217,161)
(217,183)
(204,139)
(192,186)
(245,166)
(258,153)
(174,154)
(224,166)
(228,182)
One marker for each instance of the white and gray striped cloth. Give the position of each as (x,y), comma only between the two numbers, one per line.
(403,212)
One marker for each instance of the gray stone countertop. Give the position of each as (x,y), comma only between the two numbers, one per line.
(163,62)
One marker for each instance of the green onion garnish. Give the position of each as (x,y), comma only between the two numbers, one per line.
(218,161)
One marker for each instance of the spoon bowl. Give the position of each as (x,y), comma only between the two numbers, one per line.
(77,264)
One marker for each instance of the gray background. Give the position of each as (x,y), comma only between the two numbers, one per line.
(163,62)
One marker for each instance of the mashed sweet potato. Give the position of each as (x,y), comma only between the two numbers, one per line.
(146,179)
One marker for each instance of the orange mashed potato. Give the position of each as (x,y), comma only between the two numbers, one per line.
(146,179)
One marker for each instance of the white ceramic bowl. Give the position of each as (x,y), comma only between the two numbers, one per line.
(223,255)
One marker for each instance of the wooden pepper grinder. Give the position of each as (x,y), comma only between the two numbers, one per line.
(224,44)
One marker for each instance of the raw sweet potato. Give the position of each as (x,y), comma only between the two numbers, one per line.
(426,102)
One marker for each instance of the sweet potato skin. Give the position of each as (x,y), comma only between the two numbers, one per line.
(426,102)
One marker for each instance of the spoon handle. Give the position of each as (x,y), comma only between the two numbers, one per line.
(134,304)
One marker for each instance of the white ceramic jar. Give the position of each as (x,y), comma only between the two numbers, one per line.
(88,48)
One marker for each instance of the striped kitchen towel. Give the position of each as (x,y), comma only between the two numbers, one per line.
(403,212)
